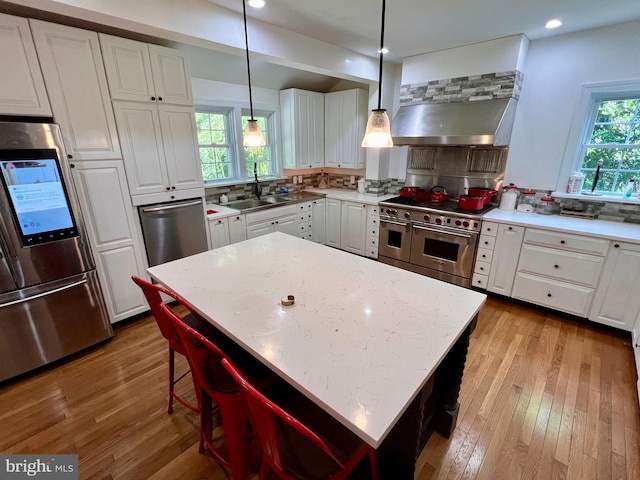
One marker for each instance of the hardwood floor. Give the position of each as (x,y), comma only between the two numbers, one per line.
(543,397)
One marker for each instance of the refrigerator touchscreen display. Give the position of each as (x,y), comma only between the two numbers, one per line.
(37,194)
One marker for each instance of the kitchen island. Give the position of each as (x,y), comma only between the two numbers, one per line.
(379,348)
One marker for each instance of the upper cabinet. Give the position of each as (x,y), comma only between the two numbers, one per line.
(23,91)
(302,115)
(74,75)
(345,116)
(149,73)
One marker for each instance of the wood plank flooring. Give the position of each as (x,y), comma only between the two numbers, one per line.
(543,397)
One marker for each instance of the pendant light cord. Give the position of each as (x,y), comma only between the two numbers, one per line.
(384,3)
(246,42)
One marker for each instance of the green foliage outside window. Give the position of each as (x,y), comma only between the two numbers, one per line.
(258,155)
(615,139)
(215,157)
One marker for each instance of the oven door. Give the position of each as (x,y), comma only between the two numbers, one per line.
(395,240)
(444,250)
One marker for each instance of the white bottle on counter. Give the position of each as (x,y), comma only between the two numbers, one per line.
(509,197)
(575,183)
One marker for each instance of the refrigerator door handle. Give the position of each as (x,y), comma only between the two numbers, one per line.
(44,294)
(171,207)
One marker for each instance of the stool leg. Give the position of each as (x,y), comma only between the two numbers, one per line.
(172,356)
(234,423)
(206,421)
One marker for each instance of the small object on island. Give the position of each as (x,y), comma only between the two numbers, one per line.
(288,300)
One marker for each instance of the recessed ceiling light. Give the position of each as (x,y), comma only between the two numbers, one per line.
(555,23)
(256,3)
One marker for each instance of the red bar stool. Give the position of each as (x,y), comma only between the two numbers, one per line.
(152,294)
(290,448)
(216,385)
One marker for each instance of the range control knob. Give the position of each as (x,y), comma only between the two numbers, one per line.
(388,210)
(465,224)
(407,215)
(458,223)
(426,218)
(440,220)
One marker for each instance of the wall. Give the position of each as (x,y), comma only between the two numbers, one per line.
(554,71)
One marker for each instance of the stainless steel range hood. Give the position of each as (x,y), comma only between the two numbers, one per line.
(487,122)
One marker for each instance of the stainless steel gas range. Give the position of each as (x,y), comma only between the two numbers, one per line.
(434,239)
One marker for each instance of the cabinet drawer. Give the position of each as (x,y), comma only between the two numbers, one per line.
(489,228)
(305,227)
(305,217)
(482,267)
(270,214)
(479,280)
(304,206)
(562,265)
(374,221)
(484,255)
(566,241)
(374,231)
(565,297)
(487,242)
(373,210)
(372,252)
(373,242)
(306,235)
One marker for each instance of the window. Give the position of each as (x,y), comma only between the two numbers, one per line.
(223,158)
(612,134)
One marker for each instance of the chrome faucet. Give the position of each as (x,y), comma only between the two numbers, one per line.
(256,184)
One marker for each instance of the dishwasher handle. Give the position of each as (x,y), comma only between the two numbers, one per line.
(171,206)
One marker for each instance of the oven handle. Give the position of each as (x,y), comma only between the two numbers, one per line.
(400,224)
(447,232)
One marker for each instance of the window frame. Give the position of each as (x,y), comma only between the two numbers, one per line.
(582,126)
(235,111)
(231,139)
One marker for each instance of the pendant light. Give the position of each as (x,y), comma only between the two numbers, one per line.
(252,133)
(378,133)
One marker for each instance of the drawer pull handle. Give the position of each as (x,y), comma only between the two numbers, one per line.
(481,268)
(556,266)
(562,242)
(616,246)
(488,229)
(484,256)
(486,243)
(549,295)
(510,228)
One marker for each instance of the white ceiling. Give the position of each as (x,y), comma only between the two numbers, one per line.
(420,26)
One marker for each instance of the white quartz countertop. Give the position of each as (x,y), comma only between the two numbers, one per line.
(625,232)
(350,195)
(362,338)
(221,211)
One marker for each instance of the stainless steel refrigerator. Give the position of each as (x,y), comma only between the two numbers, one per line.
(51,304)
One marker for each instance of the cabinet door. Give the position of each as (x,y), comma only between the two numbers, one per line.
(318,216)
(616,301)
(345,119)
(237,229)
(333,221)
(219,233)
(23,91)
(128,68)
(171,75)
(353,227)
(287,225)
(178,125)
(332,129)
(505,259)
(111,228)
(259,229)
(142,148)
(302,114)
(74,74)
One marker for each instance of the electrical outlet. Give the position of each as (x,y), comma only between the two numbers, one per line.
(353,179)
(295,180)
(299,178)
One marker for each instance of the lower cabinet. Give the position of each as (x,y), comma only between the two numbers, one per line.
(319,220)
(219,232)
(353,227)
(280,219)
(373,230)
(111,227)
(333,220)
(616,301)
(504,251)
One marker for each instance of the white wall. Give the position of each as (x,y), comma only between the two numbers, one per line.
(498,55)
(209,92)
(554,71)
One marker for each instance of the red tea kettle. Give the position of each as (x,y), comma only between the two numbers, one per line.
(438,194)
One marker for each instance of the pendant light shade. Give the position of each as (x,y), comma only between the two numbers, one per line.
(252,134)
(378,133)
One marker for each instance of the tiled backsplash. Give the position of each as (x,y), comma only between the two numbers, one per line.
(487,86)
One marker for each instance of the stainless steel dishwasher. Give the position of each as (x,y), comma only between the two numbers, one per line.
(173,230)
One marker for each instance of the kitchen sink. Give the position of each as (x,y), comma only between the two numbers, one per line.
(277,200)
(252,204)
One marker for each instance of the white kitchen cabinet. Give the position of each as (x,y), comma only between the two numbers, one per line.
(333,220)
(635,343)
(302,114)
(353,227)
(219,232)
(558,270)
(345,114)
(23,91)
(281,219)
(505,253)
(237,229)
(144,72)
(113,235)
(373,230)
(159,148)
(616,301)
(319,220)
(74,75)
